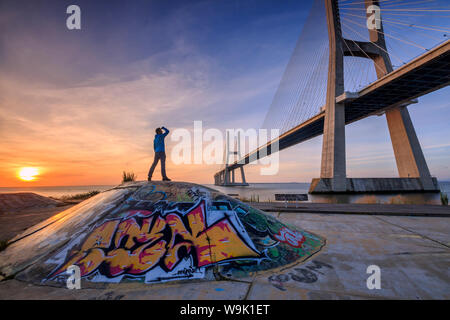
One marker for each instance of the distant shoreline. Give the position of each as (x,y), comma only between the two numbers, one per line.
(263,191)
(113,185)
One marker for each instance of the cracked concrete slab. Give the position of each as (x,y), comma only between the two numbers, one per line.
(412,267)
(211,290)
(436,229)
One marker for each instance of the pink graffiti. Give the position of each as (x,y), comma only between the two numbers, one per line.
(293,238)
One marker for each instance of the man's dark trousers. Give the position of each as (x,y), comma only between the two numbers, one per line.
(159,156)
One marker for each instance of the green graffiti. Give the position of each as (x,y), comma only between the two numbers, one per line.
(184,198)
(264,230)
(273,253)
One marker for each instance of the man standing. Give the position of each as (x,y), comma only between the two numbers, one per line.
(160,153)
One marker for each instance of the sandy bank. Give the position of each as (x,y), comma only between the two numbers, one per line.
(19,211)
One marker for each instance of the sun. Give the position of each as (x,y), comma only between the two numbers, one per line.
(28,173)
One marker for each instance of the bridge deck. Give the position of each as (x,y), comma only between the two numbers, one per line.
(425,74)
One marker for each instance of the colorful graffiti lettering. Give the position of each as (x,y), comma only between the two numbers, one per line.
(281,244)
(293,238)
(176,231)
(142,240)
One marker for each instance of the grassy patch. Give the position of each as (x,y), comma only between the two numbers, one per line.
(128,177)
(444,199)
(80,196)
(253,198)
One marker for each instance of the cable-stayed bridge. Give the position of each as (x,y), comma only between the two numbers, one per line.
(341,72)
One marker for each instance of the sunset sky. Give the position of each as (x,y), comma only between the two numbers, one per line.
(82,105)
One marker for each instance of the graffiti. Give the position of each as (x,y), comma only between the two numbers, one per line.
(177,231)
(303,275)
(278,280)
(317,265)
(148,195)
(293,238)
(142,240)
(281,244)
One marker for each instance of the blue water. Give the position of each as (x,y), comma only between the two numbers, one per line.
(56,192)
(266,192)
(262,191)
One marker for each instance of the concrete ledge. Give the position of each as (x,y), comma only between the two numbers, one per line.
(375,185)
(410,210)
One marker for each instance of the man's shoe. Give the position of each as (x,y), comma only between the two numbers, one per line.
(149,179)
(166,179)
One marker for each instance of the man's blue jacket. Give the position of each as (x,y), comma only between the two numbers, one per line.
(158,143)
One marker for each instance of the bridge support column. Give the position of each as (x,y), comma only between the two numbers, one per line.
(333,164)
(227,176)
(333,168)
(411,164)
(408,153)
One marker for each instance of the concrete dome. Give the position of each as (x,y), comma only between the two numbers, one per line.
(155,232)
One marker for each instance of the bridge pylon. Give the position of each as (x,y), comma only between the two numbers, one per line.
(414,174)
(227,177)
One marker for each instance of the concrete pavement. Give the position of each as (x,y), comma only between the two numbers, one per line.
(413,254)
